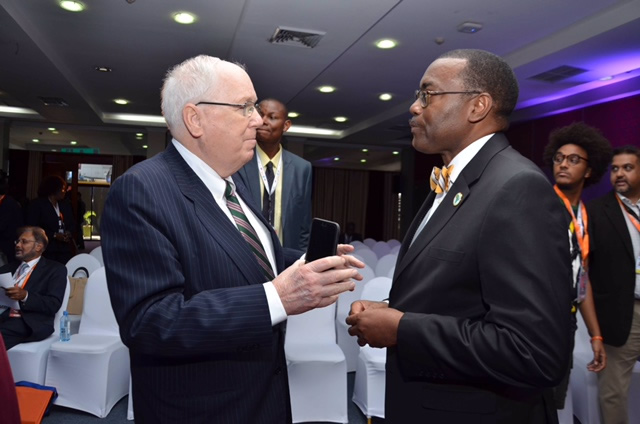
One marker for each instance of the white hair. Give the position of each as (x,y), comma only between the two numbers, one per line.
(187,82)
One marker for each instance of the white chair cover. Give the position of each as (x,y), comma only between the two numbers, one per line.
(97,253)
(565,415)
(381,249)
(91,371)
(385,263)
(82,260)
(130,403)
(75,268)
(393,243)
(395,249)
(369,242)
(356,244)
(317,368)
(29,360)
(367,256)
(369,385)
(391,271)
(347,343)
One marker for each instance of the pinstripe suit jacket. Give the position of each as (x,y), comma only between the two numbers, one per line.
(187,293)
(296,197)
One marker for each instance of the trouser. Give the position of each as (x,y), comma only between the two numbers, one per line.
(614,380)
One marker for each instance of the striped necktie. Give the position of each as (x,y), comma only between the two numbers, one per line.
(17,276)
(439,180)
(247,231)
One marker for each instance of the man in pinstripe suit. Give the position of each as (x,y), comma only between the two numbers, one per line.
(203,322)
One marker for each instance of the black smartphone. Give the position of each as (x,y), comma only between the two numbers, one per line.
(323,240)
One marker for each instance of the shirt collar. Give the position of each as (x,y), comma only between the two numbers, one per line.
(214,182)
(264,158)
(465,156)
(628,202)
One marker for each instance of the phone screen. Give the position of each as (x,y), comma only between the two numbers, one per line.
(323,240)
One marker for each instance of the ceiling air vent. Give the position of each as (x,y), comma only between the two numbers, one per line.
(558,74)
(296,37)
(54,101)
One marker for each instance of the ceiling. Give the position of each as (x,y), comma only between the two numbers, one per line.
(46,51)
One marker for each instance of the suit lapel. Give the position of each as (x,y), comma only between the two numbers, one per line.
(618,221)
(287,185)
(446,210)
(212,218)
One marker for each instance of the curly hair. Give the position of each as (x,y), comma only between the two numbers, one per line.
(598,148)
(51,185)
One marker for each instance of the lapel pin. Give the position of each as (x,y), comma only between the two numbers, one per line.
(457,199)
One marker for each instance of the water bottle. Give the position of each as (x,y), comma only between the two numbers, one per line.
(65,327)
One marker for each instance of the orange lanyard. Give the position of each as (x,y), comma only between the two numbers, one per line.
(581,233)
(632,218)
(24,282)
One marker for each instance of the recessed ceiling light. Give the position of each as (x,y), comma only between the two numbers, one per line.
(336,159)
(395,152)
(55,132)
(386,43)
(326,89)
(139,134)
(51,129)
(121,101)
(36,140)
(340,119)
(365,150)
(184,18)
(144,146)
(72,6)
(53,150)
(102,69)
(608,78)
(73,142)
(363,161)
(293,114)
(385,97)
(469,27)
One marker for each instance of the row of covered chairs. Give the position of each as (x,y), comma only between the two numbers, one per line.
(91,371)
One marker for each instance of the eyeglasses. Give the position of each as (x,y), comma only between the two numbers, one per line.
(425,95)
(23,241)
(573,158)
(247,108)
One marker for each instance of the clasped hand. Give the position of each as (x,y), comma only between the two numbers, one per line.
(16,293)
(374,323)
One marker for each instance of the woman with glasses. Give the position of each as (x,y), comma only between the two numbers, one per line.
(53,213)
(579,156)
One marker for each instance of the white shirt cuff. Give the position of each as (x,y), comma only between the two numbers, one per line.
(276,309)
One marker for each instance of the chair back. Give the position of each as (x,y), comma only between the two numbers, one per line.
(377,289)
(97,314)
(385,263)
(367,256)
(369,242)
(343,305)
(393,243)
(82,262)
(357,243)
(97,253)
(63,307)
(381,248)
(316,326)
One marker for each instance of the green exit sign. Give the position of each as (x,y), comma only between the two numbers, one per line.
(83,150)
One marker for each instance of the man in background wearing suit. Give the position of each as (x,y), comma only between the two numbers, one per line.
(478,321)
(39,288)
(196,275)
(278,180)
(614,271)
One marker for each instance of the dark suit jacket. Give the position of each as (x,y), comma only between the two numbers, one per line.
(42,214)
(611,268)
(486,293)
(187,293)
(46,287)
(296,197)
(10,221)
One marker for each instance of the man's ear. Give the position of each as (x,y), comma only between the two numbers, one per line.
(588,173)
(192,120)
(481,106)
(287,125)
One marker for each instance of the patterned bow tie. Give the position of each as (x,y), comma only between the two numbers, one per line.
(439,180)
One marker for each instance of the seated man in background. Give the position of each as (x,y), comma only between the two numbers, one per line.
(39,286)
